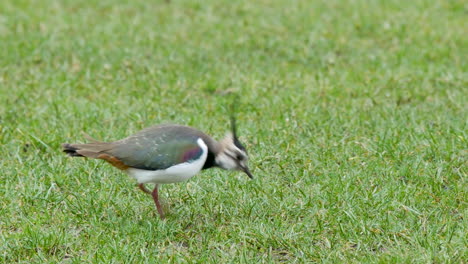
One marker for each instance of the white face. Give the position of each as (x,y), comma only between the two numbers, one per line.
(232,158)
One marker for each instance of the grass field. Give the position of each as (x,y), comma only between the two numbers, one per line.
(354,113)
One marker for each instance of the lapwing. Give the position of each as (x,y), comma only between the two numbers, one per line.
(166,154)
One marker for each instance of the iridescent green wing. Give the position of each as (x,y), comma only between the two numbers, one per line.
(158,148)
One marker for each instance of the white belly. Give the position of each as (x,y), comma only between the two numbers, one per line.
(177,173)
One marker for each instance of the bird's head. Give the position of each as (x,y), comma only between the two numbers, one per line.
(232,154)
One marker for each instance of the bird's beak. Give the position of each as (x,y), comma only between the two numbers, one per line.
(247,171)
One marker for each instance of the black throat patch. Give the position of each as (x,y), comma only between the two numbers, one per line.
(210,161)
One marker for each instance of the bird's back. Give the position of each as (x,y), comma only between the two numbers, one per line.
(155,148)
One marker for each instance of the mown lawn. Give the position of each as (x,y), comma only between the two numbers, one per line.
(354,113)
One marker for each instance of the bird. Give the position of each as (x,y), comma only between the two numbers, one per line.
(167,153)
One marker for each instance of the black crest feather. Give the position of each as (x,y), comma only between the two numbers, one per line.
(234,134)
(234,126)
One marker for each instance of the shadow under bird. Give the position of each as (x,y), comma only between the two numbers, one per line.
(166,154)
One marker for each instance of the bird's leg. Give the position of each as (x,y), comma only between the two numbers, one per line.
(156,201)
(143,188)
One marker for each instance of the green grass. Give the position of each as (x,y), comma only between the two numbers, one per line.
(354,113)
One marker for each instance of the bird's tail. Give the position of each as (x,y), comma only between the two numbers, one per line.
(71,149)
(91,150)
